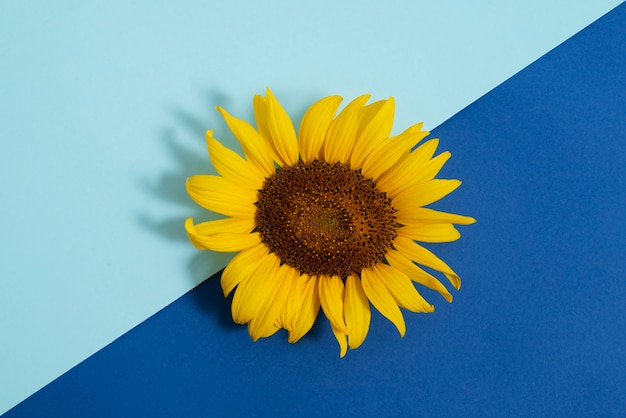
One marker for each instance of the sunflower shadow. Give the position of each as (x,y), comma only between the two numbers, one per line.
(184,142)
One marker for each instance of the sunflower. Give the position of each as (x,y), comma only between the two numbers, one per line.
(327,218)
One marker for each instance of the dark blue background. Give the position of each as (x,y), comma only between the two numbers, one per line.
(538,327)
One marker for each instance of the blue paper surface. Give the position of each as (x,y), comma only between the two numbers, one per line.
(536,330)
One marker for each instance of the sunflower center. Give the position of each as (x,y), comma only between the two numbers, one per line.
(322,218)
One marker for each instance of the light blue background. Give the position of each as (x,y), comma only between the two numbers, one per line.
(103,108)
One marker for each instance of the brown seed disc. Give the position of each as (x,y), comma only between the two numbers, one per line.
(325,219)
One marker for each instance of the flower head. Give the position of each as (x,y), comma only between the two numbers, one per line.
(326,218)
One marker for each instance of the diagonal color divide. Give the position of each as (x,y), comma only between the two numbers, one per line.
(81,92)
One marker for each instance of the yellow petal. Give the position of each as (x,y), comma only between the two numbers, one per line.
(382,300)
(387,153)
(220,226)
(422,256)
(357,312)
(426,150)
(331,298)
(252,293)
(432,168)
(307,312)
(430,232)
(342,132)
(376,126)
(314,126)
(255,147)
(242,266)
(223,241)
(219,195)
(403,264)
(292,305)
(426,215)
(232,167)
(417,131)
(268,332)
(265,322)
(261,112)
(409,167)
(424,194)
(401,288)
(427,171)
(369,112)
(281,131)
(341,339)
